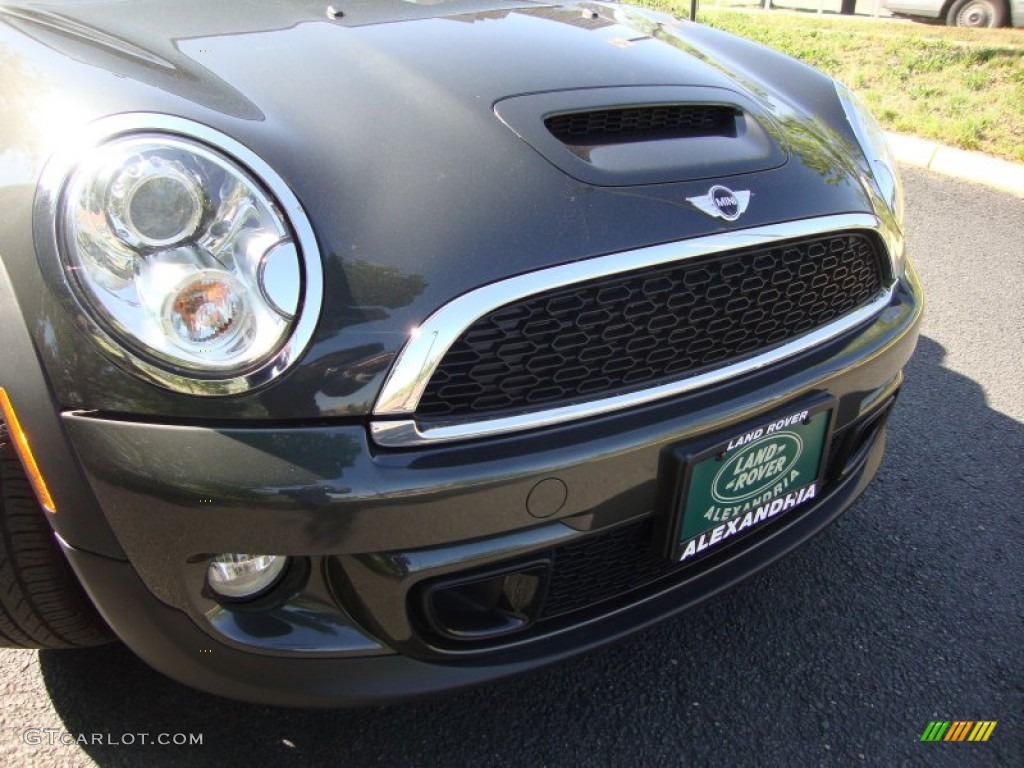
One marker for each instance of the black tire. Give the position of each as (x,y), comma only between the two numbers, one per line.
(42,604)
(978,13)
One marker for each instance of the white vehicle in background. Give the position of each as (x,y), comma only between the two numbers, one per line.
(962,13)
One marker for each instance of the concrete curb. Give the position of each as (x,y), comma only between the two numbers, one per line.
(958,163)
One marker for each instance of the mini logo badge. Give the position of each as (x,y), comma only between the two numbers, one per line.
(722,203)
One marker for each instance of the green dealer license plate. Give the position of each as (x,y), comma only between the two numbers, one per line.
(748,480)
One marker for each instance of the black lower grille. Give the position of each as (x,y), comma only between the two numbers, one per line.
(604,566)
(639,329)
(607,566)
(603,570)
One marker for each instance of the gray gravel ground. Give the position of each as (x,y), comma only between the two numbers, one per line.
(906,611)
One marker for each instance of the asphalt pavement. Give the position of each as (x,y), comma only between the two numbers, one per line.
(908,610)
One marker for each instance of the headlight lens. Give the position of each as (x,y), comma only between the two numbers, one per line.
(186,261)
(881,162)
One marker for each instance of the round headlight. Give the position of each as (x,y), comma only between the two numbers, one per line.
(189,254)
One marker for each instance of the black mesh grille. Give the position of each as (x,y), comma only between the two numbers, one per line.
(604,566)
(639,329)
(643,123)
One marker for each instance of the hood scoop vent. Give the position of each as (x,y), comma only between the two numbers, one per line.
(624,125)
(633,135)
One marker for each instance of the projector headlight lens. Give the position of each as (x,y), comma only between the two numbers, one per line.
(186,261)
(155,202)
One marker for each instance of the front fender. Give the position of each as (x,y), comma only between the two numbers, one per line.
(78,520)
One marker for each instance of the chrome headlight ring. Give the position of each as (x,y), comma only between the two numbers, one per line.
(185,257)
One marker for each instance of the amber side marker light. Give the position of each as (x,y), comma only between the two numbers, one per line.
(24,452)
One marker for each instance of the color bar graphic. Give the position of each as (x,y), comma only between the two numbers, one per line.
(935,730)
(982,730)
(958,730)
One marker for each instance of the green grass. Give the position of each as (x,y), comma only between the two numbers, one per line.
(960,87)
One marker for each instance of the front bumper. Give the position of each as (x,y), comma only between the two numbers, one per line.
(371,527)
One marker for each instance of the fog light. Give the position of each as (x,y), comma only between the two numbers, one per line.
(242,576)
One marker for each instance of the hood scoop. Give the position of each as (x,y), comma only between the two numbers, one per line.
(650,123)
(648,135)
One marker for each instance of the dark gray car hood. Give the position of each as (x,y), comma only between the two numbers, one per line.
(382,120)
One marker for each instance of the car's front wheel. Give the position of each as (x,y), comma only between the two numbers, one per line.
(42,605)
(978,13)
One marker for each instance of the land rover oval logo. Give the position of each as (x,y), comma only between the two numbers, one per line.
(722,203)
(756,467)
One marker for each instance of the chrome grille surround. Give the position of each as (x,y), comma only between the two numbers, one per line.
(395,425)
